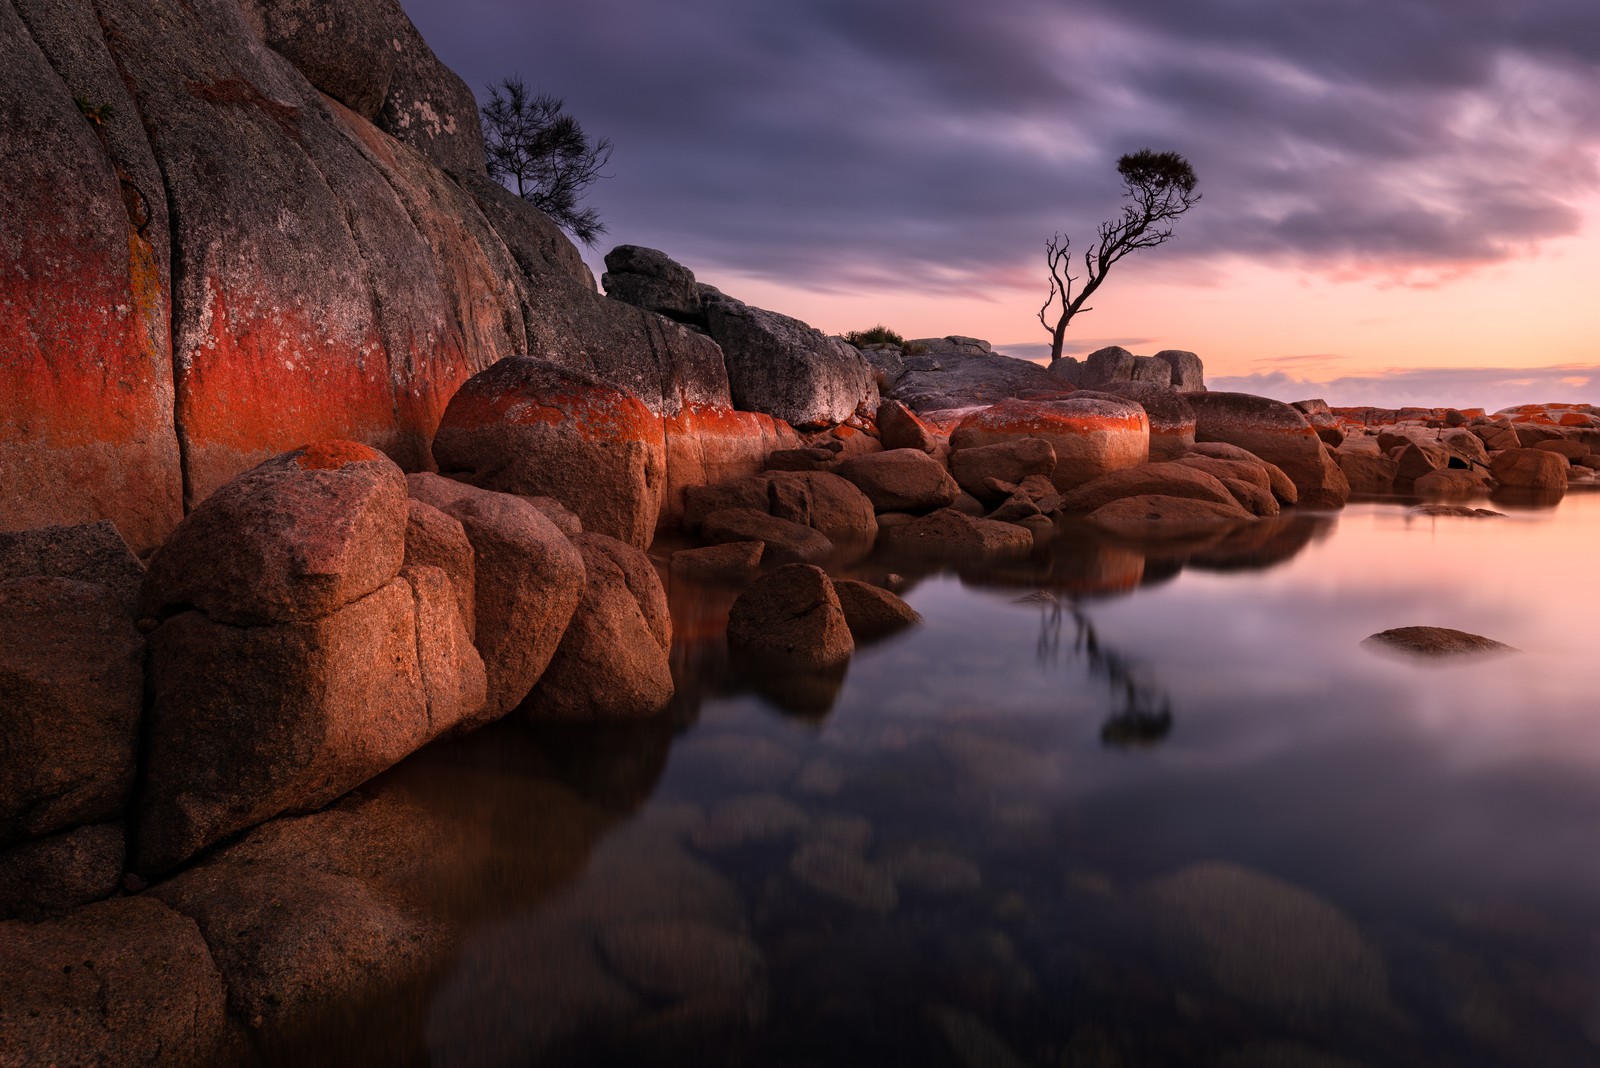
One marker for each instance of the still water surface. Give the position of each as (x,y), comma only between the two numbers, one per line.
(1106,809)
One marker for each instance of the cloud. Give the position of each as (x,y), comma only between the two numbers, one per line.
(930,146)
(1462,387)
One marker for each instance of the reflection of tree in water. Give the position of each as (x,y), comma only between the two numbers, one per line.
(1141,713)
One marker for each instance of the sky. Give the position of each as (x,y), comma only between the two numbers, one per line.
(1400,198)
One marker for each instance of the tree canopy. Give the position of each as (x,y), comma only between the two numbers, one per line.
(543,155)
(1159,187)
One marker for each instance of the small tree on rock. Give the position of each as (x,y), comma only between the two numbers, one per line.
(1159,187)
(543,155)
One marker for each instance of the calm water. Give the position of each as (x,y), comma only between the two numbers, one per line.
(1107,808)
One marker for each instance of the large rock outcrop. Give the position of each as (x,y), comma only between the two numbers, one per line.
(163,328)
(1090,435)
(781,366)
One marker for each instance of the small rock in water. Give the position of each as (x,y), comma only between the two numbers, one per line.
(1461,510)
(835,871)
(1435,642)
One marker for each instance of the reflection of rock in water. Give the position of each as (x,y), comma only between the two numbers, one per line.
(1266,543)
(1141,712)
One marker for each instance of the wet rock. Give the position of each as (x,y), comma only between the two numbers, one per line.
(753,819)
(292,539)
(1253,497)
(125,982)
(434,539)
(902,480)
(1170,479)
(71,698)
(1008,461)
(1090,435)
(291,942)
(841,874)
(787,369)
(1456,510)
(1158,517)
(785,541)
(51,876)
(652,280)
(734,561)
(1269,943)
(900,428)
(528,580)
(1368,472)
(1277,434)
(530,427)
(951,535)
(871,611)
(1451,482)
(612,661)
(1530,469)
(792,615)
(1435,642)
(677,958)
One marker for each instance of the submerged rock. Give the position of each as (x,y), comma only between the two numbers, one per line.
(1435,642)
(838,872)
(1269,944)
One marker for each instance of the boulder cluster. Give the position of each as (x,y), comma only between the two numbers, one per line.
(1525,454)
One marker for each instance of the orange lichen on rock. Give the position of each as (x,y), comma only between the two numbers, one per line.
(332,455)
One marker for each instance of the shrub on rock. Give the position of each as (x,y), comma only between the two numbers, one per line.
(529,427)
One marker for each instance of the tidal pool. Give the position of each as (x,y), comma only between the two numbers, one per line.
(1108,807)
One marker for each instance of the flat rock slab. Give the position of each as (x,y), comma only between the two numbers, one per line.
(1435,642)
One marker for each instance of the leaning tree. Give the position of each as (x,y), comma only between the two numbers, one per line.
(1159,187)
(542,153)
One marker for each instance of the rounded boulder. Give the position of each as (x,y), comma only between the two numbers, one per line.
(792,614)
(529,427)
(1090,435)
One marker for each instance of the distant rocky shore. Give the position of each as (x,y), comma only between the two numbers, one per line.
(270,522)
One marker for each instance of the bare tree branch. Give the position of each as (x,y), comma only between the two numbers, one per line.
(1161,186)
